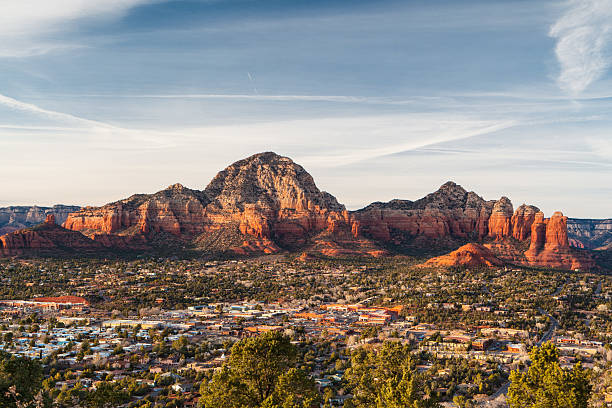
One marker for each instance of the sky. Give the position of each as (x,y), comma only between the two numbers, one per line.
(377,99)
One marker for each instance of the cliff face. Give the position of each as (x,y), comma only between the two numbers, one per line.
(18,217)
(266,203)
(45,238)
(452,216)
(590,234)
(270,198)
(177,211)
(260,204)
(446,216)
(549,244)
(522,220)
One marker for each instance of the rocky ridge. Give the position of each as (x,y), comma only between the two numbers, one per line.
(46,238)
(453,216)
(589,233)
(18,217)
(262,204)
(266,203)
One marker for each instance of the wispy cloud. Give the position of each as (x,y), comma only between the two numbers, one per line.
(279,98)
(417,134)
(31,108)
(26,24)
(583,34)
(98,131)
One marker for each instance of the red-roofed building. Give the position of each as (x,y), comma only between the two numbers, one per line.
(67,300)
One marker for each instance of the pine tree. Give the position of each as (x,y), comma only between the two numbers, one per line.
(547,385)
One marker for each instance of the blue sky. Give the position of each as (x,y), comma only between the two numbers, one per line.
(376,99)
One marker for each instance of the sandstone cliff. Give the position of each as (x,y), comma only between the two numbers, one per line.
(266,203)
(46,238)
(18,217)
(549,245)
(176,211)
(262,204)
(447,217)
(452,216)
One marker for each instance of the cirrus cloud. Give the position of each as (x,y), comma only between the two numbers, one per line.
(26,24)
(583,33)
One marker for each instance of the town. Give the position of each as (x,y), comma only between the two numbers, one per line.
(151,331)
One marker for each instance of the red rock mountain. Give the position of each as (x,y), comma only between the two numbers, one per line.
(266,203)
(468,255)
(19,217)
(261,204)
(453,216)
(46,238)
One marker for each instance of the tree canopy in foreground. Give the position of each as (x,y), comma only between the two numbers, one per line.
(260,372)
(546,385)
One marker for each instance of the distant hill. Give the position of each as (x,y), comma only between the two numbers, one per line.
(590,234)
(18,217)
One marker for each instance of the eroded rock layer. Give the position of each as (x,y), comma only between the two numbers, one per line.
(45,238)
(453,216)
(19,217)
(261,204)
(589,233)
(266,203)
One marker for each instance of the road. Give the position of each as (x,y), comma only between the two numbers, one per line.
(554,324)
(498,399)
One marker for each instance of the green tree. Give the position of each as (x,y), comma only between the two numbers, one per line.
(386,378)
(23,374)
(547,385)
(259,373)
(180,344)
(106,394)
(294,389)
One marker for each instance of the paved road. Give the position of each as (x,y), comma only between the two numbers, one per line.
(498,399)
(554,324)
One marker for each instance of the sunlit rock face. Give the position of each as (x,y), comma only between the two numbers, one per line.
(260,204)
(266,203)
(452,216)
(471,255)
(45,238)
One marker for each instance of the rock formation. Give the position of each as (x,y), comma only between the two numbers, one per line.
(590,234)
(549,245)
(447,216)
(521,221)
(46,238)
(500,219)
(176,210)
(261,204)
(18,217)
(452,216)
(472,255)
(266,203)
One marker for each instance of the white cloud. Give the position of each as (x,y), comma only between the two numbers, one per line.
(31,108)
(583,33)
(98,132)
(24,24)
